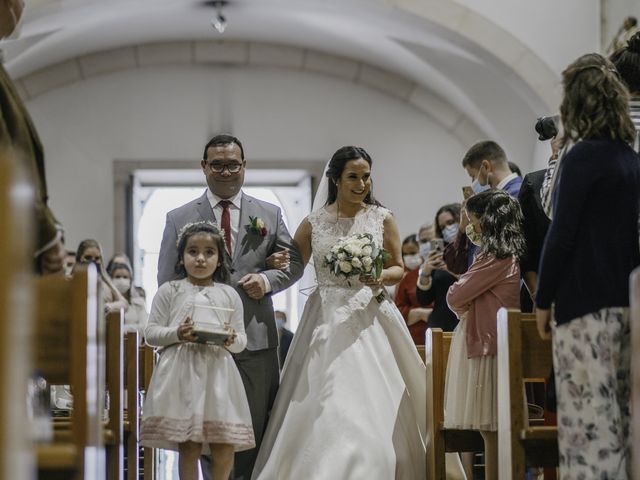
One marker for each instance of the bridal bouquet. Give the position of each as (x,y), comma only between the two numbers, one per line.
(355,256)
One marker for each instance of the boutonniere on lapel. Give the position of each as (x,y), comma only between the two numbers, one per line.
(256,225)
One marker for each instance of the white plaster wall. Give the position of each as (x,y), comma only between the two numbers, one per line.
(557,31)
(168,113)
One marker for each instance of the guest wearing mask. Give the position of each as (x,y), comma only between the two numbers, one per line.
(426,233)
(412,311)
(135,318)
(434,279)
(90,251)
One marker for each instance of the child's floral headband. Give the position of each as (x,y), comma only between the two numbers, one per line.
(216,230)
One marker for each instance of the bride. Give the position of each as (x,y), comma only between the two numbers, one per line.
(351,404)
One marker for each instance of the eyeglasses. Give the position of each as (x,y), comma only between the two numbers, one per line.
(219,167)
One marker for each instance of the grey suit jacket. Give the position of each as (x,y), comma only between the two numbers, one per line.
(250,253)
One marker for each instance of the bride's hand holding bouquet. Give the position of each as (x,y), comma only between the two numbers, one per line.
(358,256)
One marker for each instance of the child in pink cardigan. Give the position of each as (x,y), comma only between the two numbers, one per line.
(492,282)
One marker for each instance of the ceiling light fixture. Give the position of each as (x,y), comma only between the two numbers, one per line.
(219,22)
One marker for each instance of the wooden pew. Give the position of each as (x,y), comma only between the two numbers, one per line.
(522,354)
(16,318)
(442,440)
(147,363)
(68,341)
(634,299)
(131,423)
(113,437)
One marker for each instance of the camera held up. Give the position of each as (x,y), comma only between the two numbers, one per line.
(546,127)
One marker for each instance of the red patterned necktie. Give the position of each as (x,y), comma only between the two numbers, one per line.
(225,223)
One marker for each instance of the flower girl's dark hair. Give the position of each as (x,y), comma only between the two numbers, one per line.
(500,221)
(222,273)
(336,167)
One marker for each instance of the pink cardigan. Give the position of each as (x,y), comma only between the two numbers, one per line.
(488,285)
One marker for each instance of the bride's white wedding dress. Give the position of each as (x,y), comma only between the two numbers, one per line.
(351,404)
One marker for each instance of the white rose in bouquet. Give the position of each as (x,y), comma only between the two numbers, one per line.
(356,263)
(366,250)
(341,256)
(345,266)
(367,263)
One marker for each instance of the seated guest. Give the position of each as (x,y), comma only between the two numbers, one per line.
(121,257)
(447,222)
(90,251)
(426,233)
(135,318)
(69,262)
(434,280)
(412,311)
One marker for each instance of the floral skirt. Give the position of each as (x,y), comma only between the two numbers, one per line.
(591,357)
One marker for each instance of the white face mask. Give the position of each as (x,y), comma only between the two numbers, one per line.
(122,284)
(425,248)
(412,261)
(477,188)
(450,232)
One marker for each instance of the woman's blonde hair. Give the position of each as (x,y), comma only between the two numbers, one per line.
(595,103)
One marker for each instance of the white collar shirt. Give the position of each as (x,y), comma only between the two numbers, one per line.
(506,180)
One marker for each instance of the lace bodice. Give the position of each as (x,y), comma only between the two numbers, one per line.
(326,230)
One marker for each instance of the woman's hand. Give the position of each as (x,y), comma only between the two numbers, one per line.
(231,340)
(278,260)
(371,281)
(185,331)
(418,315)
(434,261)
(543,320)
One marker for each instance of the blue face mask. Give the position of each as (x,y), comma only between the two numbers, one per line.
(425,248)
(477,188)
(450,232)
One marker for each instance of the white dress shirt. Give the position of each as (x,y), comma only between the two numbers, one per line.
(506,180)
(234,220)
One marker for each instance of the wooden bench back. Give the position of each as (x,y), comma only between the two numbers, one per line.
(114,383)
(68,346)
(16,310)
(522,354)
(132,430)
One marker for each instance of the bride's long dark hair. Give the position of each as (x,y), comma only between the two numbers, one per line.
(336,167)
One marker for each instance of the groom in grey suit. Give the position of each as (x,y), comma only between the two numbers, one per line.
(225,204)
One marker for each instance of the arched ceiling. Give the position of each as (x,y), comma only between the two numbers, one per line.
(447,50)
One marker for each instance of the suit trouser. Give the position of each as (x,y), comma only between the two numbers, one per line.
(261,376)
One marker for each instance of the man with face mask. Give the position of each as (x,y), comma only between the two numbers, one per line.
(487,165)
(253,231)
(19,143)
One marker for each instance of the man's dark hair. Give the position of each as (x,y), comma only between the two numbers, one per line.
(486,150)
(223,139)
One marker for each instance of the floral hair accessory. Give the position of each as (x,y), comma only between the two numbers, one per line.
(216,230)
(257,225)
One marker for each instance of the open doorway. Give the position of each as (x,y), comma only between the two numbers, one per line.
(156,192)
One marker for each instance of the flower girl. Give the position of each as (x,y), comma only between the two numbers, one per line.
(196,403)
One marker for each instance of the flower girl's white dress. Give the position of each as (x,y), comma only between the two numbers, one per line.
(351,404)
